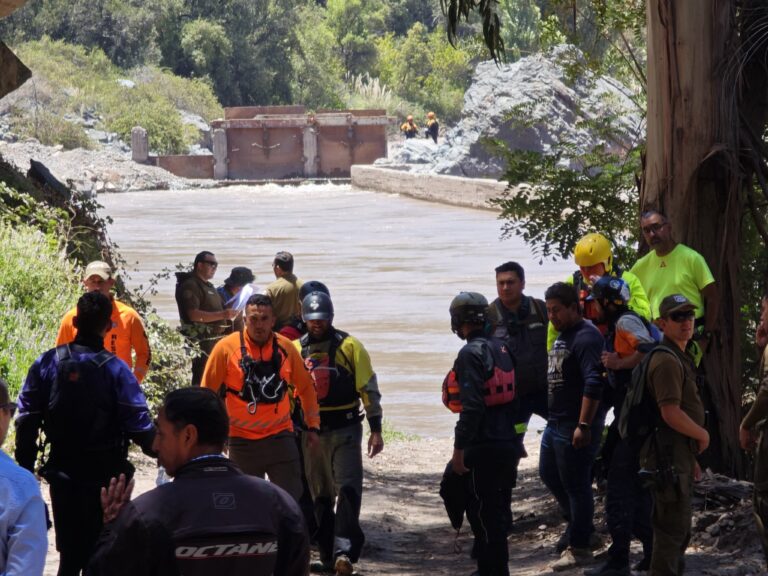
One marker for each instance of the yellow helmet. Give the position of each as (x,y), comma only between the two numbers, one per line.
(593,249)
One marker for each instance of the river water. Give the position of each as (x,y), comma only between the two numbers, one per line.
(392,264)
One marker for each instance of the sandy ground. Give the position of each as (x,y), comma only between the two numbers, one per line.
(408,532)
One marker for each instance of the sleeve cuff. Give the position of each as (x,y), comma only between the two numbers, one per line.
(375,424)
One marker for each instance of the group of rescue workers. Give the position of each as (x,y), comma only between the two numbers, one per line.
(284,391)
(410,129)
(604,338)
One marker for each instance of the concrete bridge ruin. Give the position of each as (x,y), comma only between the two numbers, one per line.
(279,142)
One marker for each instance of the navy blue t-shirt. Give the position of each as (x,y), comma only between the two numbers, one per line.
(574,370)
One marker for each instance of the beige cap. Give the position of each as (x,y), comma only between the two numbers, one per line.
(99,268)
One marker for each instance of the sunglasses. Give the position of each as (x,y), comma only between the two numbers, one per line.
(654,228)
(682,316)
(10,406)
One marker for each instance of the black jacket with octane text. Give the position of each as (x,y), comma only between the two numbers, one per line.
(212,519)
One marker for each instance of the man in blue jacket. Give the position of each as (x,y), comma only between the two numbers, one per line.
(89,404)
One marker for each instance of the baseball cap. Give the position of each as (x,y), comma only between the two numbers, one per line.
(100,269)
(675,303)
(240,276)
(283,258)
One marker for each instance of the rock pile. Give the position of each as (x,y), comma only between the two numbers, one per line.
(555,97)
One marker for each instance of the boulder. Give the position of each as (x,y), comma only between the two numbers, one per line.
(555,96)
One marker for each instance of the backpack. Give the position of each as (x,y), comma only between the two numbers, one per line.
(640,412)
(81,413)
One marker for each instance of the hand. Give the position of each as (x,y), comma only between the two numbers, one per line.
(746,439)
(457,462)
(231,314)
(375,444)
(115,496)
(703,442)
(581,438)
(610,360)
(696,472)
(313,440)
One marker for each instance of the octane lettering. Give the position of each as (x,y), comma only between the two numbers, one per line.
(216,550)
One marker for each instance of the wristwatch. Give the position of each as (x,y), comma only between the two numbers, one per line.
(585,426)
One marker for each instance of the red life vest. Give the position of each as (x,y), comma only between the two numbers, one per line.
(498,389)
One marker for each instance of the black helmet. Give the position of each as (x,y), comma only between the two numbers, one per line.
(611,289)
(468,308)
(312,286)
(317,306)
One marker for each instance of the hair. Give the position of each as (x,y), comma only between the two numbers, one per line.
(202,256)
(5,396)
(201,408)
(565,293)
(94,311)
(259,300)
(284,261)
(512,267)
(652,212)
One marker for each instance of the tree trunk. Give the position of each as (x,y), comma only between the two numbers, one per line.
(692,175)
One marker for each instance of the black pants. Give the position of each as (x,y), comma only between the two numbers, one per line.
(490,478)
(628,505)
(77,518)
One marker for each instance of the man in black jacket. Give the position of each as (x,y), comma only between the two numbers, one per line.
(212,519)
(485,444)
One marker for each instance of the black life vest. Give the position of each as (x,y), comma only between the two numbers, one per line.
(499,387)
(527,343)
(334,384)
(588,308)
(80,415)
(262,382)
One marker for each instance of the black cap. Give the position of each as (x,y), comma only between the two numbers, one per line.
(240,276)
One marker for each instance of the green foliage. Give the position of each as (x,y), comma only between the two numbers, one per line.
(364,92)
(355,24)
(75,79)
(317,68)
(520,21)
(36,287)
(563,195)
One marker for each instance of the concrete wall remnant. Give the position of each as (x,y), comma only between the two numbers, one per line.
(282,142)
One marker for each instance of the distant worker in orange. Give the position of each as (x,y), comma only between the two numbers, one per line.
(127,337)
(254,370)
(433,126)
(409,128)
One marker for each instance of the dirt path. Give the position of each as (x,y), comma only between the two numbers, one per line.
(408,533)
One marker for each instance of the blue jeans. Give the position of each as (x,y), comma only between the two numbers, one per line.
(567,473)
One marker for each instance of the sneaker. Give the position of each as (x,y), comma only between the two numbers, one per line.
(573,557)
(343,566)
(319,567)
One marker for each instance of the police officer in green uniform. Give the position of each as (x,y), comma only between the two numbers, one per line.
(669,455)
(757,421)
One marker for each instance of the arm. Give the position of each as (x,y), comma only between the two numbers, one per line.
(30,419)
(28,538)
(680,422)
(67,330)
(589,349)
(132,408)
(612,361)
(582,438)
(140,345)
(127,547)
(367,387)
(215,373)
(711,296)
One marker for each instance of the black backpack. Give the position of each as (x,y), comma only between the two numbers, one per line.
(640,413)
(81,412)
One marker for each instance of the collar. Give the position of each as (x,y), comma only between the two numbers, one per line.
(92,341)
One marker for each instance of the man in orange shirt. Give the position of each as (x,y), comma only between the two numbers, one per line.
(127,334)
(257,370)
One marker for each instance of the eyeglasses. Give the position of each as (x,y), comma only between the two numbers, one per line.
(11,407)
(654,228)
(682,316)
(210,263)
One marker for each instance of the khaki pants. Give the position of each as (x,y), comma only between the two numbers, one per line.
(276,456)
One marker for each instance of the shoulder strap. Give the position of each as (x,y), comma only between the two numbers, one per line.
(63,352)
(541,314)
(102,358)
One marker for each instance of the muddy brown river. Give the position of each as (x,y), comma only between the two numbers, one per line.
(392,264)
